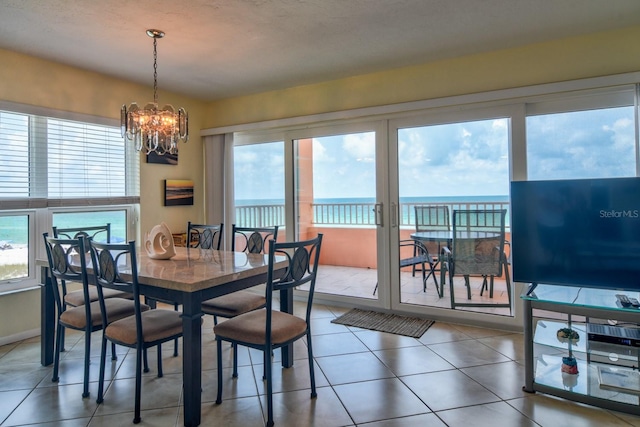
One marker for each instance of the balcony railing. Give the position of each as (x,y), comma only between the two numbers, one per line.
(352,214)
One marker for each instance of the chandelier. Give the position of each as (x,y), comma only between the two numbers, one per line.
(153,129)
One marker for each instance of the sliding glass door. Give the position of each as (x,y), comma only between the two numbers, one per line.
(442,167)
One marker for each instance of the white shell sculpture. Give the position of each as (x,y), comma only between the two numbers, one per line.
(159,242)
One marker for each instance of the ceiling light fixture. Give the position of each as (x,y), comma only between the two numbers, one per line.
(153,129)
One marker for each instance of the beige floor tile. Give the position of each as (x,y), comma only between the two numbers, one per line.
(49,404)
(441,332)
(297,408)
(241,412)
(511,345)
(294,378)
(242,386)
(165,417)
(421,420)
(489,415)
(334,344)
(379,400)
(463,354)
(412,360)
(548,410)
(448,389)
(351,368)
(380,340)
(503,379)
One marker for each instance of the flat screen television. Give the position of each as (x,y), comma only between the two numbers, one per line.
(577,232)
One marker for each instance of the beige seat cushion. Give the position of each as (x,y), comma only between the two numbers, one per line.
(233,304)
(250,327)
(157,324)
(76,298)
(117,308)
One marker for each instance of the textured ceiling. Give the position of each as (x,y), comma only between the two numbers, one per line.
(222,48)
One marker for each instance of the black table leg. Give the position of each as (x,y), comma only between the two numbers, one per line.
(286,306)
(47,319)
(192,359)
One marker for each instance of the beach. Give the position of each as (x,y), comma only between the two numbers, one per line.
(11,254)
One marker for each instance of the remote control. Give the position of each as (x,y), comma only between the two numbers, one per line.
(623,300)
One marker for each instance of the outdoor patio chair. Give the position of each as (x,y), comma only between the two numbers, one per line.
(477,249)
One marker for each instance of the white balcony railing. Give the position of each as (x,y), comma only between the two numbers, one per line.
(354,214)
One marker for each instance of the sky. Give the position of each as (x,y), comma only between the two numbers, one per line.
(458,159)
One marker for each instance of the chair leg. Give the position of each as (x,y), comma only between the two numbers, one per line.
(268,374)
(145,361)
(234,348)
(103,356)
(56,354)
(87,355)
(160,373)
(466,282)
(136,415)
(114,356)
(375,289)
(312,375)
(219,364)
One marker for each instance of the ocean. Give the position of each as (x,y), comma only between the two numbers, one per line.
(14,229)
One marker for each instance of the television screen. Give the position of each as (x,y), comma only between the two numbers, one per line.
(577,232)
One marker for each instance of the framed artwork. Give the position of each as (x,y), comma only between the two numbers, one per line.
(178,192)
(165,159)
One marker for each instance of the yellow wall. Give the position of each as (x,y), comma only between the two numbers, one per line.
(593,55)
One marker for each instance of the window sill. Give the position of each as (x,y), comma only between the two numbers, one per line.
(21,286)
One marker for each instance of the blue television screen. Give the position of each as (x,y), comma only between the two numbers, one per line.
(577,232)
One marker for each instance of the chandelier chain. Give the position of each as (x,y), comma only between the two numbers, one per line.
(155,70)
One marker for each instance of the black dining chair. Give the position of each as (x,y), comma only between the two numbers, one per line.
(67,260)
(253,240)
(115,267)
(204,236)
(76,298)
(268,329)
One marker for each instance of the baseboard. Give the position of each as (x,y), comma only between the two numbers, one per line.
(20,337)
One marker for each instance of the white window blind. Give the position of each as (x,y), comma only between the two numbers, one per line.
(56,162)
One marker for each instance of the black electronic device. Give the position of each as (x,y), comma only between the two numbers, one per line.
(614,334)
(582,233)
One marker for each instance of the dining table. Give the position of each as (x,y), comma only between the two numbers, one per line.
(188,278)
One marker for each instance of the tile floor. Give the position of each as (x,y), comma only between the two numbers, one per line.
(452,376)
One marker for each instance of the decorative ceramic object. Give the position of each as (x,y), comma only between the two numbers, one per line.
(159,242)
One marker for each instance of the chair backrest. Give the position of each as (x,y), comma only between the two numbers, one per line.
(478,241)
(432,218)
(114,265)
(67,261)
(204,236)
(302,267)
(98,233)
(252,240)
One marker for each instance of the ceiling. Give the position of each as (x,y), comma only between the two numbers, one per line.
(223,48)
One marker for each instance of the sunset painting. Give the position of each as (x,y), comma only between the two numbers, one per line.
(178,192)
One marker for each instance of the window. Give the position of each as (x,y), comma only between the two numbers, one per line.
(56,171)
(584,137)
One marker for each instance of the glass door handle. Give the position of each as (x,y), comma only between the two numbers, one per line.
(377,210)
(394,214)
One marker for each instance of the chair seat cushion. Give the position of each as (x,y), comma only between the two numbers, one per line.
(157,325)
(250,327)
(76,298)
(117,308)
(234,304)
